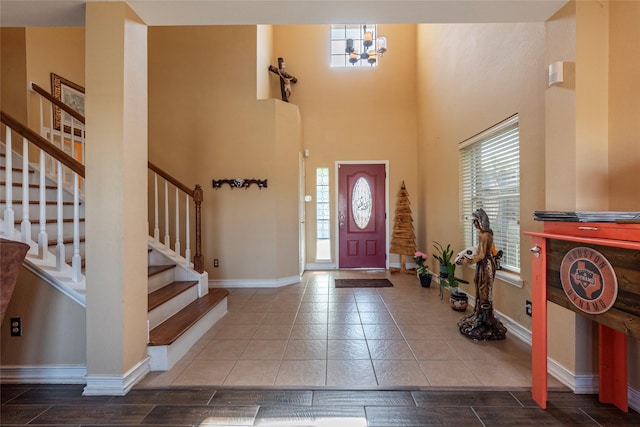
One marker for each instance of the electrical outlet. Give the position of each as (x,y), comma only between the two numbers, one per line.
(216,264)
(16,327)
(527,307)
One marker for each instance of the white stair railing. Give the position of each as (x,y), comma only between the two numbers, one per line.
(167,191)
(62,127)
(8,210)
(64,165)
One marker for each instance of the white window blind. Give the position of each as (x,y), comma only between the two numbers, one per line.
(490,179)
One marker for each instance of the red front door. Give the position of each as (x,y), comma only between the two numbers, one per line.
(361,216)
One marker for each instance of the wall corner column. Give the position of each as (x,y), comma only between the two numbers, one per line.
(116,198)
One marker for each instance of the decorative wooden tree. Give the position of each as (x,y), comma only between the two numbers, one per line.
(403,240)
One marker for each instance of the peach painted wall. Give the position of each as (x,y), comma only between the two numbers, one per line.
(53,50)
(116,197)
(353,114)
(472,76)
(13,72)
(205,123)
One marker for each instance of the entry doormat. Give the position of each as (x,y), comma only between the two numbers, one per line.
(363,283)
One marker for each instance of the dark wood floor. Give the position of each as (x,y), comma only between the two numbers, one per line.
(64,405)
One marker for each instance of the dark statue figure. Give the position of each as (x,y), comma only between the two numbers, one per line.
(482,324)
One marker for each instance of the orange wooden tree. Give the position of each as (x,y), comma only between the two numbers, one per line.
(403,240)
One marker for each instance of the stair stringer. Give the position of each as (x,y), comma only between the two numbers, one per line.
(45,268)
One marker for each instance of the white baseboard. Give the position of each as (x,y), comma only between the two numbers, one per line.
(514,328)
(116,385)
(259,283)
(320,266)
(43,374)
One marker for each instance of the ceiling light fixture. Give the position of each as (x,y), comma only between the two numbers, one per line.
(379,47)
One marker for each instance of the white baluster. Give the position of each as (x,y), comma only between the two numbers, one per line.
(76,261)
(156,229)
(8,211)
(25,225)
(60,258)
(42,132)
(166,216)
(42,203)
(187,249)
(82,142)
(177,238)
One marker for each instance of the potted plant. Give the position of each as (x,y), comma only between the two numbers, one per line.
(424,274)
(443,255)
(458,299)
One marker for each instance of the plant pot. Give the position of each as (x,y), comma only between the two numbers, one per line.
(444,271)
(459,301)
(425,280)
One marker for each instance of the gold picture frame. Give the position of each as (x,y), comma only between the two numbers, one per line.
(71,94)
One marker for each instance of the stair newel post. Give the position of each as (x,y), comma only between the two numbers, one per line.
(156,228)
(25,225)
(60,258)
(42,204)
(8,211)
(76,260)
(187,227)
(167,239)
(177,238)
(198,260)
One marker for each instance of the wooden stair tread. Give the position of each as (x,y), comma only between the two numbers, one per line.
(19,184)
(15,169)
(155,269)
(66,241)
(48,221)
(164,294)
(172,328)
(37,202)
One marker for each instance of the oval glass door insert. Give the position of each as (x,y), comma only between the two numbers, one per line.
(361,203)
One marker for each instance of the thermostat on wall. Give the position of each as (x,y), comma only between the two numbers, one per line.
(556,73)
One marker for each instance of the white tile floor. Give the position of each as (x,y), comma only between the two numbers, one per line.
(311,334)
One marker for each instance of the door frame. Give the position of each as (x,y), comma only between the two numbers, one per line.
(302,229)
(336,222)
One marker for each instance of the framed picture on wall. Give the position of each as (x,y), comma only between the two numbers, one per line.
(70,94)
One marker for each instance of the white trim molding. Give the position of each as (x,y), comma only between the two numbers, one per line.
(116,385)
(43,374)
(321,266)
(254,283)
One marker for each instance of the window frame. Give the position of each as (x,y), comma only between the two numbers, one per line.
(338,44)
(499,143)
(323,212)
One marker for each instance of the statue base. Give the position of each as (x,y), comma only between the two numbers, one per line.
(482,325)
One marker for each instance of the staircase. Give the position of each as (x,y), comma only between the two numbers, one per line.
(180,306)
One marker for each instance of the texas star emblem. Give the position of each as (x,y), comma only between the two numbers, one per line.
(588,280)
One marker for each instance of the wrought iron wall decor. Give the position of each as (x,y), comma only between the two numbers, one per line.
(240,183)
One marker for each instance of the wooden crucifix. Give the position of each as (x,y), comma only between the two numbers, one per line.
(285,79)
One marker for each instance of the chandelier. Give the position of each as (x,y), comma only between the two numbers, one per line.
(370,47)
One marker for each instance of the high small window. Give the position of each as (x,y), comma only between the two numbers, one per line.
(490,179)
(340,34)
(323,231)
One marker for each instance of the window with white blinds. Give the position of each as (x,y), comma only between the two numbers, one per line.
(490,179)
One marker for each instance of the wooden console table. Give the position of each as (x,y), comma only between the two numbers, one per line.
(592,269)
